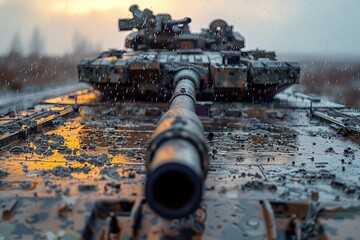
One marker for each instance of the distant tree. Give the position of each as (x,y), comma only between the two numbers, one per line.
(97,47)
(82,46)
(37,43)
(16,45)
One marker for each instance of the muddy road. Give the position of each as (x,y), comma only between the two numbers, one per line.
(286,169)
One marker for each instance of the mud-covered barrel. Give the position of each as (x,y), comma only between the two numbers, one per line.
(177,162)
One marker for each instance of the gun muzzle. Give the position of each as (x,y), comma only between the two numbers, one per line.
(178,159)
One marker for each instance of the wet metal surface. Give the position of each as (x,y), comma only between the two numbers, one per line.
(274,172)
(22,100)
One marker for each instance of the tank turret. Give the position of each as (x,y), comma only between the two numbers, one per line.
(162,32)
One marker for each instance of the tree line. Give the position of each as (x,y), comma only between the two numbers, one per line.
(28,66)
(36,45)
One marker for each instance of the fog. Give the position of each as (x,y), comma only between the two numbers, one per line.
(326,28)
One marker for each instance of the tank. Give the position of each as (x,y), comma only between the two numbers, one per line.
(182,156)
(160,46)
(164,61)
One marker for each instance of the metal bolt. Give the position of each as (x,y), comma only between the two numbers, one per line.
(253,223)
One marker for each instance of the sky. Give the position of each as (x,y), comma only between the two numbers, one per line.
(317,27)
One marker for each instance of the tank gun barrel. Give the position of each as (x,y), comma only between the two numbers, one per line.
(178,161)
(183,21)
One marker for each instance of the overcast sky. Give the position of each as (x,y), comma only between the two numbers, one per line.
(318,27)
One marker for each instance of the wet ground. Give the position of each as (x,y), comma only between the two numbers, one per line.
(18,101)
(289,169)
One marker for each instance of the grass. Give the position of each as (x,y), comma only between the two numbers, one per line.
(338,81)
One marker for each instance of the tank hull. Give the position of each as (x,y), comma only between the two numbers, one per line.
(129,76)
(114,92)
